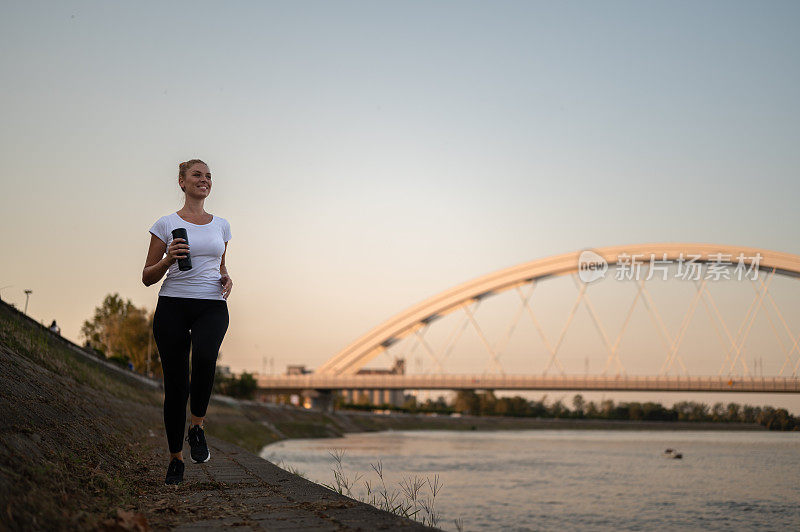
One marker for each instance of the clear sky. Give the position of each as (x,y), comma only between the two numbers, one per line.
(371,154)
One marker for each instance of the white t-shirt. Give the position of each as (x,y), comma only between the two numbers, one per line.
(206,246)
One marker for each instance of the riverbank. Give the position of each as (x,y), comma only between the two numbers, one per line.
(254,425)
(82,446)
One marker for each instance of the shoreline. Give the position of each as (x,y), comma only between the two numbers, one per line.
(492,423)
(253,425)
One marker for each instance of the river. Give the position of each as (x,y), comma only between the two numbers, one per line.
(575,479)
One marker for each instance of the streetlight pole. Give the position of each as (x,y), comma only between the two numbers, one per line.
(28,293)
(3,288)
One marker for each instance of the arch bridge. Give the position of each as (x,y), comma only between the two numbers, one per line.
(758,266)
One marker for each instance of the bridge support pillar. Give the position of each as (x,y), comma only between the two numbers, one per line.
(322,400)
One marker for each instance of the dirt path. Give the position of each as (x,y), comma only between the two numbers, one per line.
(239,489)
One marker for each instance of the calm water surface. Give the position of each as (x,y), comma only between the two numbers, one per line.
(578,479)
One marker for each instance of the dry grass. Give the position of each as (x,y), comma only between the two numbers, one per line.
(415,499)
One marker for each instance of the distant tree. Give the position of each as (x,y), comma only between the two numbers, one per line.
(242,387)
(607,408)
(578,404)
(683,410)
(246,386)
(635,411)
(503,407)
(749,413)
(558,409)
(656,412)
(439,405)
(487,403)
(621,411)
(410,403)
(519,406)
(539,408)
(733,412)
(700,412)
(121,331)
(467,402)
(782,420)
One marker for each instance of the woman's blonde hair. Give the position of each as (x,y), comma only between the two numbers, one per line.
(185,166)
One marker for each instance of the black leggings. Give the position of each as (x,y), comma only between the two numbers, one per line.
(177,323)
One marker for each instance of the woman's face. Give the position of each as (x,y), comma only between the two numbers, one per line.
(197,181)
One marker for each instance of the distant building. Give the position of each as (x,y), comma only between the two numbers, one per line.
(297,369)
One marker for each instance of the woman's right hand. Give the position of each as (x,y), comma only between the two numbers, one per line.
(178,249)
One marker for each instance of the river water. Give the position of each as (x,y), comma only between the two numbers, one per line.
(576,479)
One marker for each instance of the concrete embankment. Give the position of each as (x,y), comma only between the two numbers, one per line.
(82,446)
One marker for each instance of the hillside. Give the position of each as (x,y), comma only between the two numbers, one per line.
(68,446)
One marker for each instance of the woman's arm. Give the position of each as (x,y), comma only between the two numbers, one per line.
(222,269)
(225,280)
(155,266)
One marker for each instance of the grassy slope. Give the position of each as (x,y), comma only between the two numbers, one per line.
(65,452)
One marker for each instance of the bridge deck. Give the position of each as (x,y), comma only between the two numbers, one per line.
(530,382)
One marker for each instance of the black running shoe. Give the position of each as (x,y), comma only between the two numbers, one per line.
(197,441)
(175,472)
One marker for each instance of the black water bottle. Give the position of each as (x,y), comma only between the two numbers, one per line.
(185,263)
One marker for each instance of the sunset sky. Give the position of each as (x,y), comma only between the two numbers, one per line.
(371,154)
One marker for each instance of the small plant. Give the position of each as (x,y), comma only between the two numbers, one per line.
(343,485)
(286,467)
(409,502)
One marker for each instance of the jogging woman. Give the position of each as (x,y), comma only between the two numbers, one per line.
(192,310)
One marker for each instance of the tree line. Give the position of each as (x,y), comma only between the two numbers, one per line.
(242,387)
(485,403)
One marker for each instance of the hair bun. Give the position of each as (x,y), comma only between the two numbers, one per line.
(184,166)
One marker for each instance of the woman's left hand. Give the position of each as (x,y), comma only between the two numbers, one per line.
(227,285)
